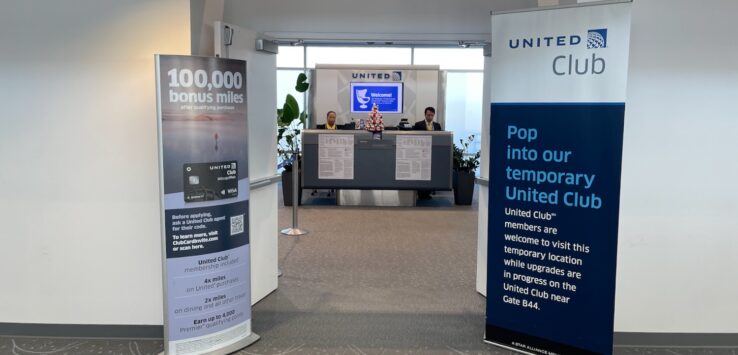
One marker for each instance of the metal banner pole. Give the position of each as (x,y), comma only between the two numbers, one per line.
(295,191)
(295,230)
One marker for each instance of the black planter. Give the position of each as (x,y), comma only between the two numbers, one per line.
(463,187)
(287,187)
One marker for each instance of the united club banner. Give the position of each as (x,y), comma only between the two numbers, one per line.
(558,81)
(205,201)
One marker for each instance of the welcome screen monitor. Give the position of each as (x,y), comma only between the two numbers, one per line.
(388,96)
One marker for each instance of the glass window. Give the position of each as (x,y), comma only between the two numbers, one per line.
(286,80)
(451,58)
(464,107)
(358,55)
(290,57)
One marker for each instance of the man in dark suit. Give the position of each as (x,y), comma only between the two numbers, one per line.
(427,124)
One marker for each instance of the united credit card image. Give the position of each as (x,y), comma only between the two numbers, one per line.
(210,181)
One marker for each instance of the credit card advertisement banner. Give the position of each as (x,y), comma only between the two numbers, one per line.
(204,175)
(558,81)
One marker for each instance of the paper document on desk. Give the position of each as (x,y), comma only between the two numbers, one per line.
(413,157)
(336,156)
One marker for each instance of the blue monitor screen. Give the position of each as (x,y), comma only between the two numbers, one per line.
(388,96)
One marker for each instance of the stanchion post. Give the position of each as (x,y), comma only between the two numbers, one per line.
(295,191)
(295,230)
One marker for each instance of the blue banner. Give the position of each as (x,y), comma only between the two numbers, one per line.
(556,134)
(553,221)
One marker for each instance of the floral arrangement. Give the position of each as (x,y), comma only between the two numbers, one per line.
(375,123)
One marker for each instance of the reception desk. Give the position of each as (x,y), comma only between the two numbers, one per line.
(374,165)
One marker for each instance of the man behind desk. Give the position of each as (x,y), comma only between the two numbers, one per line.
(330,121)
(427,124)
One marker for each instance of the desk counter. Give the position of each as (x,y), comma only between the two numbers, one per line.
(374,161)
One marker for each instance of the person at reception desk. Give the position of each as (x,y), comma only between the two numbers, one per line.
(330,121)
(427,124)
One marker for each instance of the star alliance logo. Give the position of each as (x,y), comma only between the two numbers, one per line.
(597,38)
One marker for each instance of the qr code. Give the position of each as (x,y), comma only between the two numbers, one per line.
(237,224)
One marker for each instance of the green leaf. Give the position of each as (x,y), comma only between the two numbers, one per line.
(294,106)
(303,117)
(290,110)
(301,85)
(284,120)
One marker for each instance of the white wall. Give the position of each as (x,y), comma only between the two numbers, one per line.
(261,80)
(407,19)
(203,13)
(79,196)
(481,284)
(677,268)
(677,265)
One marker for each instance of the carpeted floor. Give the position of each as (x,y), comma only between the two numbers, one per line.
(374,280)
(364,281)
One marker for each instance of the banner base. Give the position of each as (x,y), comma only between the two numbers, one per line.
(507,347)
(293,231)
(247,341)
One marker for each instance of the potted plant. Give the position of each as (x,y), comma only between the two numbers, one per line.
(290,122)
(464,166)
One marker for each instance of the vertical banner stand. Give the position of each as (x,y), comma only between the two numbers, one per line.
(295,230)
(204,183)
(557,102)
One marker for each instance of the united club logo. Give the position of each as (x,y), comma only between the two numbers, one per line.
(395,75)
(597,38)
